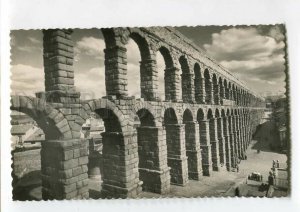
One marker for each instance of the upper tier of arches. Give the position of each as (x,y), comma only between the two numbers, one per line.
(189,75)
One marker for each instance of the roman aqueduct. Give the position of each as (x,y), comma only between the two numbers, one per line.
(188,136)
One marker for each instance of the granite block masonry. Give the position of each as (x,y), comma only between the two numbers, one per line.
(147,144)
(64,169)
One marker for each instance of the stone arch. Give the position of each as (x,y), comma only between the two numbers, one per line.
(170,108)
(167,57)
(150,141)
(170,116)
(210,114)
(107,109)
(147,66)
(186,80)
(170,74)
(148,107)
(51,121)
(146,117)
(188,116)
(199,84)
(110,37)
(236,112)
(228,113)
(217,113)
(208,87)
(119,136)
(143,45)
(201,115)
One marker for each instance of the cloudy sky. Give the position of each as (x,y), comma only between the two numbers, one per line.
(255,54)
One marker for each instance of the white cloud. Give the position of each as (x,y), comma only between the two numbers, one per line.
(91,83)
(34,40)
(253,63)
(256,59)
(90,46)
(26,80)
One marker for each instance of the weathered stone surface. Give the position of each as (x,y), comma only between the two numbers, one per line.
(144,157)
(62,169)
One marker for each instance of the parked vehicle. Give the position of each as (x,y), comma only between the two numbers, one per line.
(255,176)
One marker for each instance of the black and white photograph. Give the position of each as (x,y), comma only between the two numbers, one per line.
(149,112)
(138,105)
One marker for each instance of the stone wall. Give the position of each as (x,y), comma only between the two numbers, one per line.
(64,169)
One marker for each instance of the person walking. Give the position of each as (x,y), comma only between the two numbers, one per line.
(274,164)
(271,179)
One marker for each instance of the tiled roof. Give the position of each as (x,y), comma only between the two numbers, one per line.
(20,129)
(38,135)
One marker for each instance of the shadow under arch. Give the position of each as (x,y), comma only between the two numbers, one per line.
(176,152)
(150,146)
(192,144)
(169,73)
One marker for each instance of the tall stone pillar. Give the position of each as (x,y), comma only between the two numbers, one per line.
(199,91)
(172,84)
(217,94)
(149,80)
(202,91)
(193,151)
(58,63)
(230,94)
(227,142)
(243,133)
(209,98)
(205,147)
(153,167)
(120,165)
(238,137)
(222,93)
(188,88)
(64,169)
(177,160)
(226,93)
(221,138)
(60,91)
(232,141)
(244,139)
(214,144)
(235,135)
(115,61)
